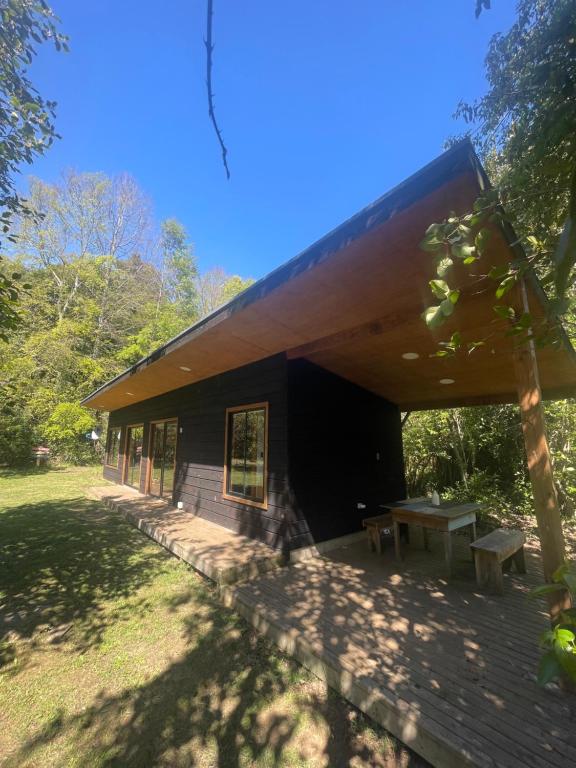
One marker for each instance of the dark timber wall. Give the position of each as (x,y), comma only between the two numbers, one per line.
(323,437)
(345,448)
(200,410)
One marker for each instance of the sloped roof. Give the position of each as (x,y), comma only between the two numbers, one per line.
(352,302)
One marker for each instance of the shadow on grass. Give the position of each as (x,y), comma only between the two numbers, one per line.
(59,562)
(219,704)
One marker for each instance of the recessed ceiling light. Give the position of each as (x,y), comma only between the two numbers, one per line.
(410,355)
(185,368)
(446,381)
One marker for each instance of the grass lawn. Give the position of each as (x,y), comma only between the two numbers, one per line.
(114,653)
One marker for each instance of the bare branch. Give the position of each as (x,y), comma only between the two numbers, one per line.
(209,49)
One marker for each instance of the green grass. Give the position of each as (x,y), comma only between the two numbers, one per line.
(114,653)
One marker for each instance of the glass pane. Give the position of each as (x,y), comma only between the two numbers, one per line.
(113,446)
(157,456)
(134,457)
(254,479)
(246,435)
(236,466)
(169,459)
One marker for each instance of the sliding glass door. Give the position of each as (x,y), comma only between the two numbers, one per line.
(134,442)
(162,458)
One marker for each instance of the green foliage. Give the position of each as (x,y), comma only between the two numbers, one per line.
(559,642)
(180,266)
(103,292)
(524,129)
(66,428)
(479,453)
(26,120)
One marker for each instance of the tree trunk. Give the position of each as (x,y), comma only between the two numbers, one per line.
(540,467)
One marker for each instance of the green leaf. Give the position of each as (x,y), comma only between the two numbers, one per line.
(453,296)
(560,573)
(481,239)
(570,581)
(497,273)
(564,638)
(447,307)
(439,288)
(443,266)
(546,589)
(505,286)
(431,244)
(463,251)
(433,316)
(549,668)
(506,313)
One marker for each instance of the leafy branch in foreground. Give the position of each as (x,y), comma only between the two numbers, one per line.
(465,240)
(559,642)
(26,120)
(524,129)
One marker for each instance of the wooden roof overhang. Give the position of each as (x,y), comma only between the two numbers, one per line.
(352,304)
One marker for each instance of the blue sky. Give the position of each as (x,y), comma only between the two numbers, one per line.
(324,106)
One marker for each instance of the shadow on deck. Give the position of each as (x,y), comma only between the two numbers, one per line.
(448,670)
(220,554)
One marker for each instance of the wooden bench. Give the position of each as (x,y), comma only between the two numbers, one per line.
(494,554)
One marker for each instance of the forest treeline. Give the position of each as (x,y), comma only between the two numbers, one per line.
(103,286)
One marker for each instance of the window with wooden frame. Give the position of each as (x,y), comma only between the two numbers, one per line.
(246,454)
(113,446)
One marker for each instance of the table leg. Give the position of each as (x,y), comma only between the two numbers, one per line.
(473,533)
(397,541)
(370,538)
(425,539)
(448,551)
(378,539)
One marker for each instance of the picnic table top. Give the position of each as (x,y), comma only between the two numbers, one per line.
(445,509)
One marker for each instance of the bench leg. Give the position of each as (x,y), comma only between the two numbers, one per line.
(378,540)
(448,552)
(473,536)
(371,546)
(520,560)
(488,572)
(397,541)
(425,539)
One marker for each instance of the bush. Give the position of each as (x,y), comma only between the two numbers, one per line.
(65,431)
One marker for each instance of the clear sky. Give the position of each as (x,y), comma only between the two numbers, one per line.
(324,106)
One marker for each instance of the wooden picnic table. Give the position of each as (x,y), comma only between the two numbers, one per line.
(446,518)
(375,525)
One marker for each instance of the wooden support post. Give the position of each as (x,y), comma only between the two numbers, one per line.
(540,465)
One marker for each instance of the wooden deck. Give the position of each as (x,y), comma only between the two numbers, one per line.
(220,554)
(447,669)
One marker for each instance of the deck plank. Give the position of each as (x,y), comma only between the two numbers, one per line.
(448,657)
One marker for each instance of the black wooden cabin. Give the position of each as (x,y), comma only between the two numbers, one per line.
(278,415)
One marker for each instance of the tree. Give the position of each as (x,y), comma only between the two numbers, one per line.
(215,288)
(526,127)
(106,288)
(26,120)
(179,268)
